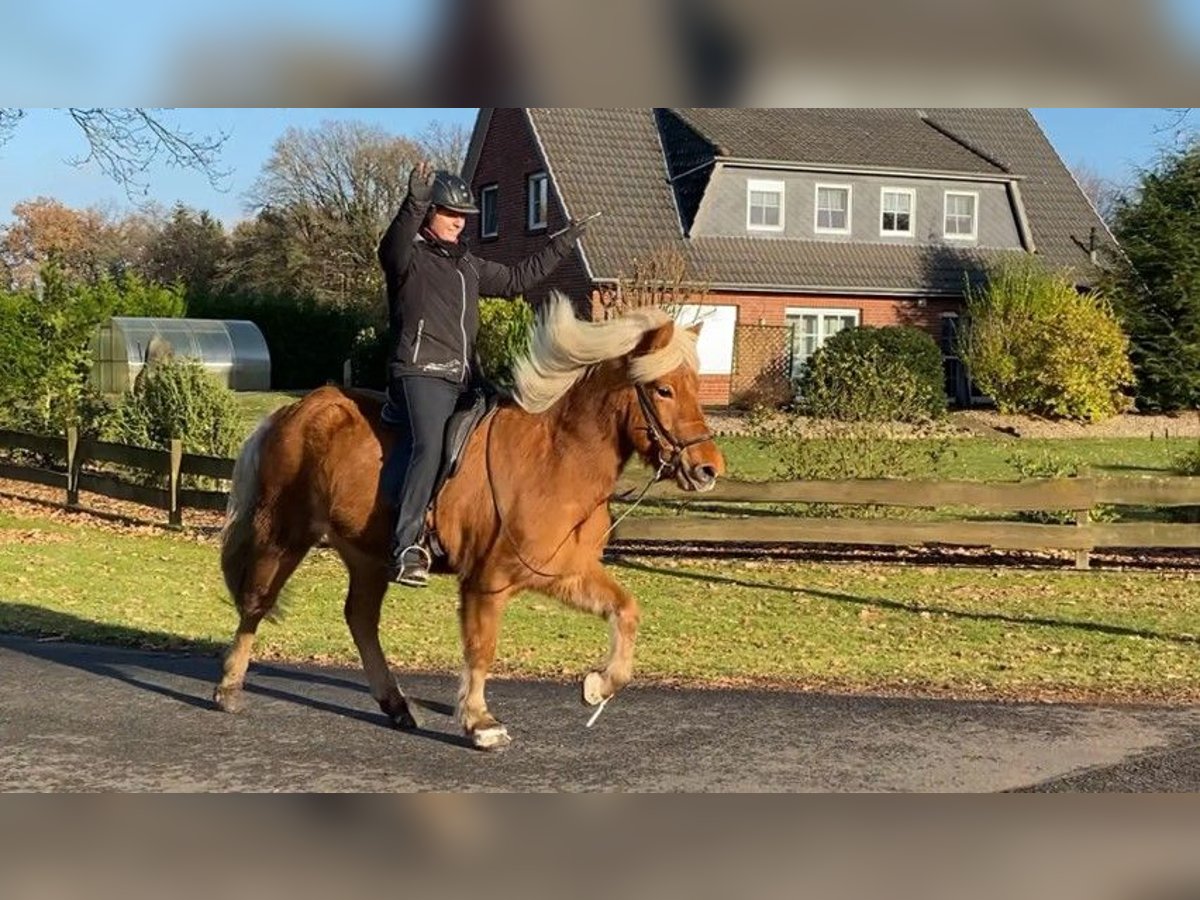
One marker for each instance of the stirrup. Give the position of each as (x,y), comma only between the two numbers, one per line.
(420,548)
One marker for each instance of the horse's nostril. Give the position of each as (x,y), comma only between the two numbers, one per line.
(706,474)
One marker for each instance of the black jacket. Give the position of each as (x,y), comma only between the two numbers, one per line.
(433,294)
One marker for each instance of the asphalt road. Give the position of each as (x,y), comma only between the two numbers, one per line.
(85,718)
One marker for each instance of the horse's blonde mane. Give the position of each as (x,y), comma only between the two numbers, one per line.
(563,348)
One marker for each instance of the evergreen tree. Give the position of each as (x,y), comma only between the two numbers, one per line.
(1156,285)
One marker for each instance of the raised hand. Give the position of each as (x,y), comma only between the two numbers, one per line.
(420,181)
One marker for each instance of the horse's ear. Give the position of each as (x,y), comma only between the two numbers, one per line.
(657,339)
(695,329)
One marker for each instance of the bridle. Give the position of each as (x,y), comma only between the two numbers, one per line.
(670,448)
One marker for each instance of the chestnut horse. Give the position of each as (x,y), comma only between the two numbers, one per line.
(526,510)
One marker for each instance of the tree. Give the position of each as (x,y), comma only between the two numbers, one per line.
(323,199)
(190,247)
(445,145)
(1155,283)
(125,141)
(1102,192)
(85,243)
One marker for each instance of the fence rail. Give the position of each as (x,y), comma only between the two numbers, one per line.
(1076,495)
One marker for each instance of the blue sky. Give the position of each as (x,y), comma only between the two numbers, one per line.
(1112,142)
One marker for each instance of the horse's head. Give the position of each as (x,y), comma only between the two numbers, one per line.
(669,430)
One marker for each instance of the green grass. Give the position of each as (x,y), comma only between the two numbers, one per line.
(984,459)
(254,406)
(913,629)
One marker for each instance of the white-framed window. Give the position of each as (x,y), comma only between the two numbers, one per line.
(898,209)
(833,209)
(811,328)
(489,212)
(961,215)
(764,205)
(537,196)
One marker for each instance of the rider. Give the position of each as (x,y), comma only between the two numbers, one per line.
(433,286)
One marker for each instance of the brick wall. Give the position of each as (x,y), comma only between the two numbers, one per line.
(509,154)
(757,368)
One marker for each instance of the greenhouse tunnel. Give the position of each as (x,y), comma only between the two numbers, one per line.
(232,350)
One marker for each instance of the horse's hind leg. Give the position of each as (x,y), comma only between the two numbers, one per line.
(479,618)
(368,584)
(271,568)
(598,592)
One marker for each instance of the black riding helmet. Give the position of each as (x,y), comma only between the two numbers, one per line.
(452,193)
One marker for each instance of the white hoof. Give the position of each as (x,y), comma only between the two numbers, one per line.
(492,738)
(593,688)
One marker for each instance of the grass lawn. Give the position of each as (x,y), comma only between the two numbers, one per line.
(921,630)
(987,459)
(972,458)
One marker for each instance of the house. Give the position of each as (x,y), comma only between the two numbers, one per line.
(798,222)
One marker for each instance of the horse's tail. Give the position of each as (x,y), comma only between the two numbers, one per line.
(237,537)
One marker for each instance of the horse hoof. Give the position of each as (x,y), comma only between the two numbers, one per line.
(494,737)
(403,715)
(593,688)
(228,699)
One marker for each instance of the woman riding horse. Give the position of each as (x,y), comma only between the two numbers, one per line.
(526,510)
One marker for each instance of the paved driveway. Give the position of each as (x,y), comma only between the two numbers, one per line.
(76,717)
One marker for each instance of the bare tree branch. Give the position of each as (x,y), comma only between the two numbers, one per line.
(125,142)
(8,121)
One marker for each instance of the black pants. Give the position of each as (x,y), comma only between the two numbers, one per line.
(423,406)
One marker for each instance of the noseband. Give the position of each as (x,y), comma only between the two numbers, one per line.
(670,448)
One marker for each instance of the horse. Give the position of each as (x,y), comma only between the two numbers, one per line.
(526,509)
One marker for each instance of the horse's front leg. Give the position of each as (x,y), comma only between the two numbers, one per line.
(598,592)
(479,618)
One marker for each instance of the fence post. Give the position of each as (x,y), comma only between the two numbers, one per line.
(175,514)
(73,463)
(1083,558)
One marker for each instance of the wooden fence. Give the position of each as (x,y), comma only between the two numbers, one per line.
(75,453)
(1079,496)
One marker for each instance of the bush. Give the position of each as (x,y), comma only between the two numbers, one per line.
(1039,346)
(309,341)
(44,359)
(177,398)
(891,374)
(504,327)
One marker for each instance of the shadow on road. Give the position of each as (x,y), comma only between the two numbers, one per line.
(56,637)
(916,608)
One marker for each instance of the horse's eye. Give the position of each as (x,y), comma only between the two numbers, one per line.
(664,390)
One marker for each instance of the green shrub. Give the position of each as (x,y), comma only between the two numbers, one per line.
(1039,346)
(44,359)
(891,374)
(369,357)
(823,449)
(177,398)
(309,341)
(504,327)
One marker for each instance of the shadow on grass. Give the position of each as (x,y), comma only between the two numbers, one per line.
(915,608)
(91,647)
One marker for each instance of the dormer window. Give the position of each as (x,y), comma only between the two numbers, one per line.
(833,209)
(896,217)
(962,215)
(764,205)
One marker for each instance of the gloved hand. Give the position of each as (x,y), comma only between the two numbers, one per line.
(420,181)
(573,232)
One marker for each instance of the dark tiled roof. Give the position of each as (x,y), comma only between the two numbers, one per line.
(613,160)
(887,138)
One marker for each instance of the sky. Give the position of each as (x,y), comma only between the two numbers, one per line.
(1114,143)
